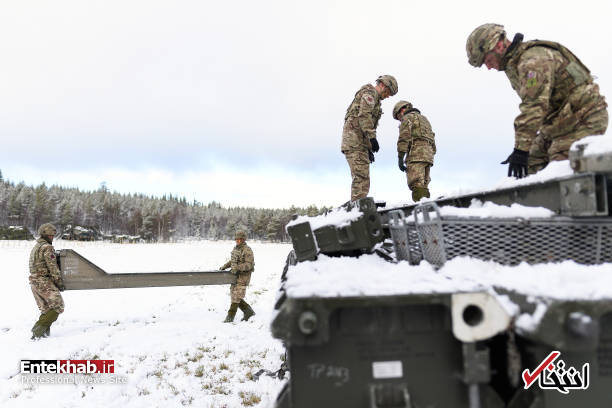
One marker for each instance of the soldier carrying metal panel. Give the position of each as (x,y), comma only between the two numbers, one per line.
(560,103)
(242,264)
(45,281)
(416,148)
(359,133)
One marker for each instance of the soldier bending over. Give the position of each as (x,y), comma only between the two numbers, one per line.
(416,148)
(359,133)
(560,103)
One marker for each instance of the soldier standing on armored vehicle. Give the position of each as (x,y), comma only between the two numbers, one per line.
(416,148)
(359,133)
(242,264)
(560,103)
(45,281)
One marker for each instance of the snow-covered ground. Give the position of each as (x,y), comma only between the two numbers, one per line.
(169,344)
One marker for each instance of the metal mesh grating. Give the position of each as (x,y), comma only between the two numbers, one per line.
(606,243)
(512,241)
(414,247)
(405,238)
(604,350)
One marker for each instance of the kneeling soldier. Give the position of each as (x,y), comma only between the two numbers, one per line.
(242,264)
(416,148)
(45,281)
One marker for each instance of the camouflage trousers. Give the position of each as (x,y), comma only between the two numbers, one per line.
(47,295)
(359,163)
(417,174)
(555,138)
(238,289)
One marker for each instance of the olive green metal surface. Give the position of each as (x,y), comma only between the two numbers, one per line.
(79,273)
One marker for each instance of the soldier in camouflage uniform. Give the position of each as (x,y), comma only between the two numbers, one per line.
(45,281)
(560,103)
(416,148)
(242,264)
(359,133)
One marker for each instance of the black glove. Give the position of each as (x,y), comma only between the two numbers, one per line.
(400,161)
(375,146)
(517,163)
(60,286)
(371,156)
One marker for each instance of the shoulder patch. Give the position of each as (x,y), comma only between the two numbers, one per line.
(369,99)
(531,79)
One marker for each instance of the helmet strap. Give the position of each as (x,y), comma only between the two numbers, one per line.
(518,38)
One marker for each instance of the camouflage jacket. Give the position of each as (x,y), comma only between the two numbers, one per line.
(43,264)
(416,138)
(545,75)
(361,119)
(242,259)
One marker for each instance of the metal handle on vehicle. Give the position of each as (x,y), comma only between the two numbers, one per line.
(425,209)
(397,218)
(350,236)
(389,396)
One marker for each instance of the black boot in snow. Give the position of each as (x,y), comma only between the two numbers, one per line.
(231,313)
(246,309)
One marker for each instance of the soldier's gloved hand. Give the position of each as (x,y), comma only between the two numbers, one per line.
(400,162)
(517,163)
(371,156)
(375,146)
(60,286)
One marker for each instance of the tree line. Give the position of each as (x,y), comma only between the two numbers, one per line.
(154,219)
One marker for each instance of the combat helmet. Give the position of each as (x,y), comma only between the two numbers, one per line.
(47,229)
(388,81)
(240,235)
(398,107)
(481,41)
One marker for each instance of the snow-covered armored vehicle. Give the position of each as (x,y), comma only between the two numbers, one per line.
(78,233)
(513,308)
(15,232)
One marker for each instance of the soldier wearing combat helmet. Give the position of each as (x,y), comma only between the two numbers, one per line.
(359,133)
(242,265)
(45,281)
(416,148)
(560,103)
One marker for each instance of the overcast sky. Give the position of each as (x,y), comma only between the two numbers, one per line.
(243,102)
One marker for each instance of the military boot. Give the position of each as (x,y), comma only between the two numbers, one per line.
(38,330)
(42,328)
(246,309)
(231,313)
(420,192)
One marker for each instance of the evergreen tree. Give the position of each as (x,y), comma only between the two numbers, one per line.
(154,219)
(273,230)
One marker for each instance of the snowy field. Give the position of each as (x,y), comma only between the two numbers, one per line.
(169,344)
